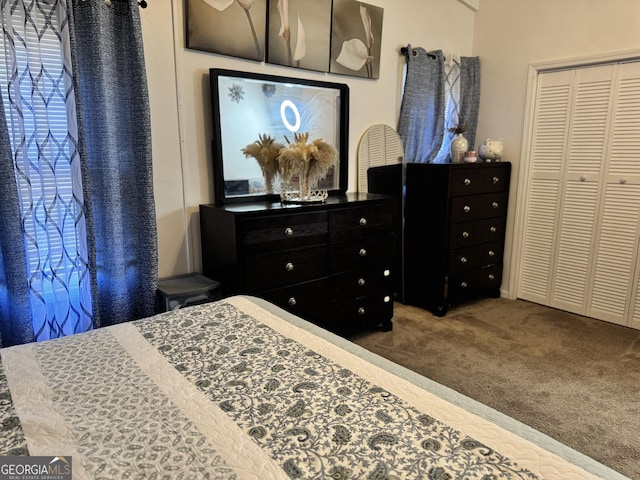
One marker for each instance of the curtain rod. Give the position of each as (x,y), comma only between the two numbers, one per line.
(405,50)
(141,3)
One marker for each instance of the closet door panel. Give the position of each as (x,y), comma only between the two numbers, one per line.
(586,151)
(589,122)
(624,150)
(615,253)
(575,246)
(624,158)
(615,271)
(633,318)
(549,140)
(540,231)
(551,124)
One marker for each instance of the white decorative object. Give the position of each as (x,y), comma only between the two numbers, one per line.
(459,146)
(470,157)
(491,150)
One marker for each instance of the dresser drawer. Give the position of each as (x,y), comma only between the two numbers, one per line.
(362,253)
(469,181)
(478,231)
(483,281)
(476,256)
(359,222)
(357,284)
(282,232)
(347,318)
(300,298)
(475,207)
(285,268)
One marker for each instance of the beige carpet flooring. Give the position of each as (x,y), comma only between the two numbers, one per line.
(573,378)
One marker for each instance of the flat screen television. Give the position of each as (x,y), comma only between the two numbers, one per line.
(248,105)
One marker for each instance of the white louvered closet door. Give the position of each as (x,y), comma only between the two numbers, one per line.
(624,171)
(617,244)
(584,160)
(551,127)
(585,260)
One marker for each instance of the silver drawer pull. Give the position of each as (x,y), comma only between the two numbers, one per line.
(495,205)
(467,208)
(362,252)
(495,179)
(493,229)
(492,253)
(467,181)
(464,284)
(288,232)
(463,259)
(465,234)
(292,301)
(361,311)
(386,273)
(387,299)
(361,282)
(289,266)
(492,276)
(363,221)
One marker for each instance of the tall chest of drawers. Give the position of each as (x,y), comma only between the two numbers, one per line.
(455,216)
(329,263)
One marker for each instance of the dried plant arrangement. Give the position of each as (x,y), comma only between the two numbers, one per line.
(265,150)
(458,129)
(310,161)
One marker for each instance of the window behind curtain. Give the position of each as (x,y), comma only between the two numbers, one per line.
(40,112)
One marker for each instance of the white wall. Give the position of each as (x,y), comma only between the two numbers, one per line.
(180,111)
(509,35)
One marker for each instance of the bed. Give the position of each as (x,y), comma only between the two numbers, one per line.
(240,389)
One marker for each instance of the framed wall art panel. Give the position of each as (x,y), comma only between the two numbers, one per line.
(356,38)
(299,33)
(229,27)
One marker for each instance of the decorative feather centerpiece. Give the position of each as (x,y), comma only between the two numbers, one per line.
(265,150)
(309,161)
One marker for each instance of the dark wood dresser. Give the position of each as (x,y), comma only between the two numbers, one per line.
(455,216)
(329,263)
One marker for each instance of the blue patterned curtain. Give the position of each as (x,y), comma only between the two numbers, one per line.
(440,93)
(40,113)
(422,112)
(470,96)
(83,202)
(15,314)
(115,141)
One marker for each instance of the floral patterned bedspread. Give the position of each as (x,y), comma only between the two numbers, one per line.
(228,390)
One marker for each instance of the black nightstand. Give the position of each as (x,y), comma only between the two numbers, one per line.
(186,290)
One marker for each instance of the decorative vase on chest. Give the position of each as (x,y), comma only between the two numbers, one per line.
(459,146)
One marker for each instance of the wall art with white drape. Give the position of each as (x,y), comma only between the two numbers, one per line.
(337,36)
